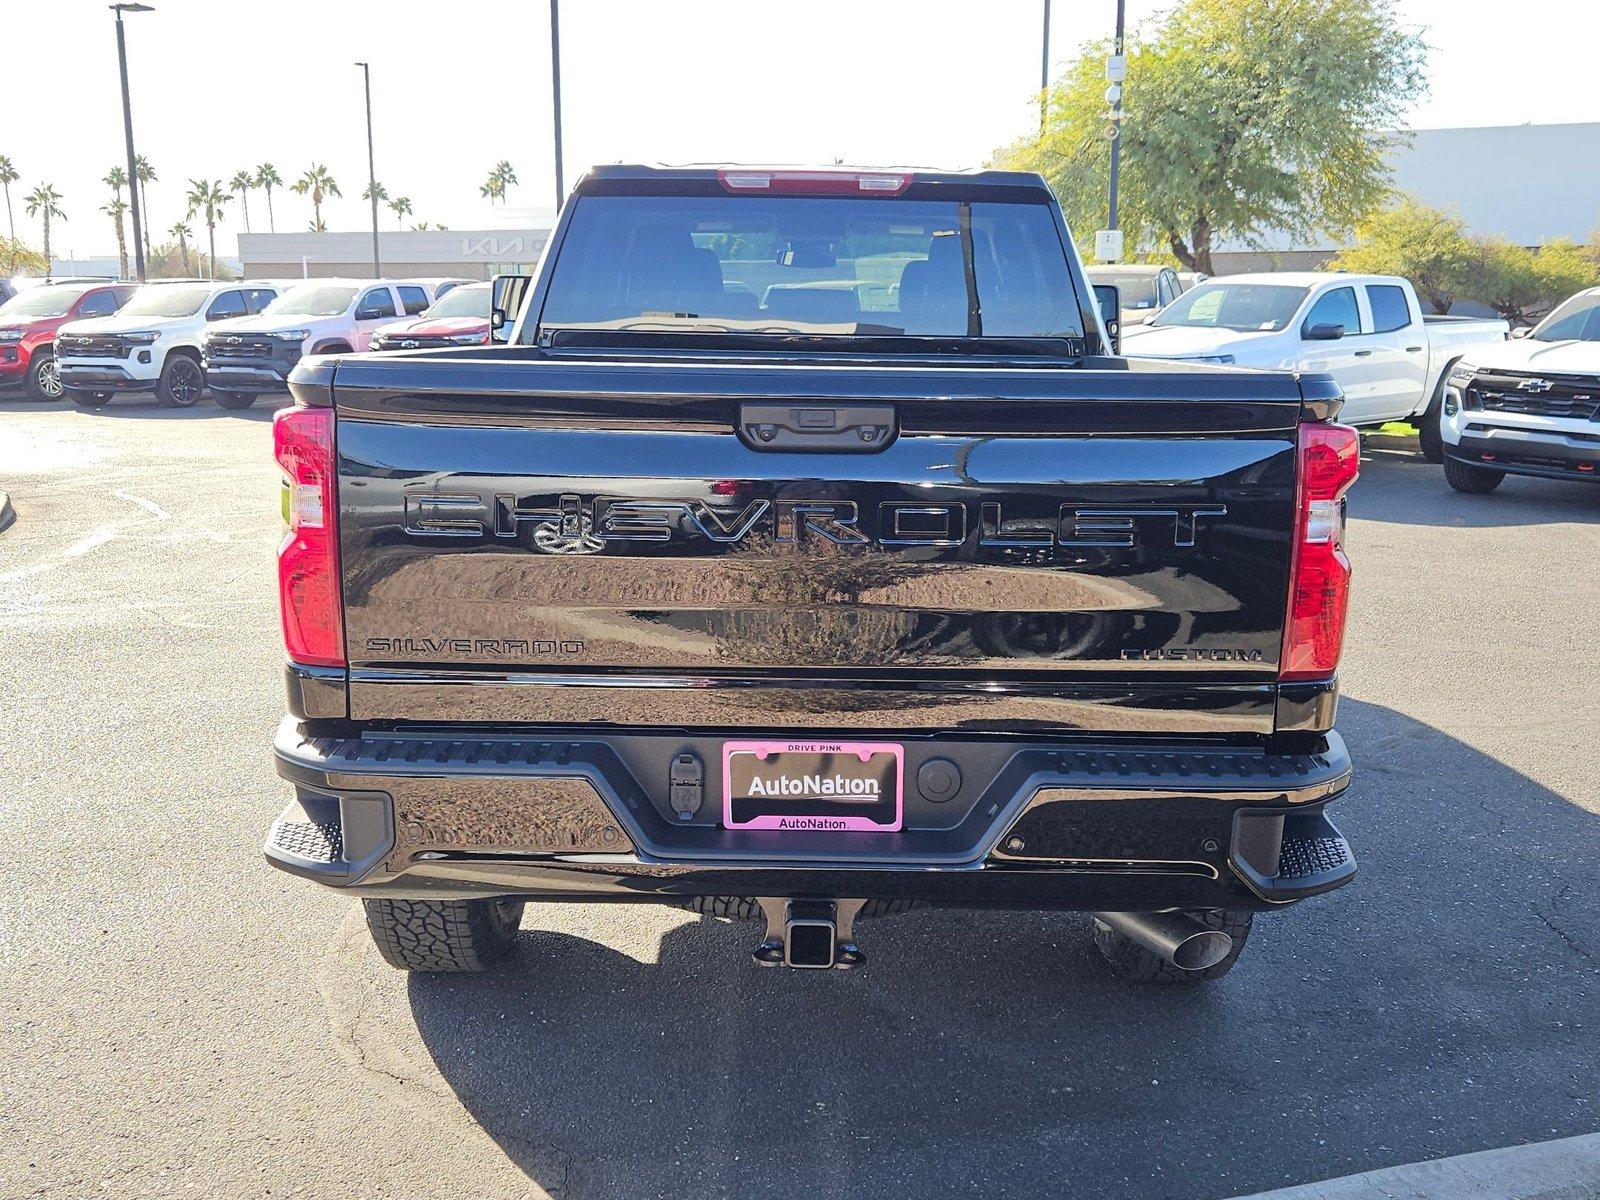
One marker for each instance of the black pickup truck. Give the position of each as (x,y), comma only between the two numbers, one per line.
(806,553)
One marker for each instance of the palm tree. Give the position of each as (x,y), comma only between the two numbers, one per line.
(144,173)
(44,201)
(115,210)
(318,181)
(507,175)
(401,207)
(183,233)
(8,176)
(209,198)
(383,192)
(116,179)
(267,177)
(242,182)
(500,179)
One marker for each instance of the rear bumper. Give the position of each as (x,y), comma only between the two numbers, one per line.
(103,379)
(564,814)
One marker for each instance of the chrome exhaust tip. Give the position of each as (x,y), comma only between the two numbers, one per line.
(1180,939)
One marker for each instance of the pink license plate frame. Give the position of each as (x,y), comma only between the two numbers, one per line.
(820,820)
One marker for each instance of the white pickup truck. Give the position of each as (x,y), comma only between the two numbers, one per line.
(1530,406)
(1367,331)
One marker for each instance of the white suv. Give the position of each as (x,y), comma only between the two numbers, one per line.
(248,357)
(1530,406)
(153,342)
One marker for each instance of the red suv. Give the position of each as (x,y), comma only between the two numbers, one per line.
(28,324)
(458,318)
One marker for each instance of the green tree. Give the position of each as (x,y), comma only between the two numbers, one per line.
(242,182)
(1428,246)
(8,176)
(208,198)
(267,178)
(45,202)
(1522,284)
(319,184)
(401,207)
(22,258)
(183,233)
(144,173)
(1240,116)
(377,188)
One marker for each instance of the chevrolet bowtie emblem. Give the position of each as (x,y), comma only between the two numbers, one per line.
(1535,385)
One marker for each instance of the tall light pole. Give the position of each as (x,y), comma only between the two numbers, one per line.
(1044,70)
(1116,119)
(372,171)
(555,85)
(127,133)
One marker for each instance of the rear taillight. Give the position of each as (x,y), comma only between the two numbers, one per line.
(308,560)
(1319,579)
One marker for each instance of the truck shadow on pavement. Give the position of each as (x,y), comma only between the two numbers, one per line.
(1398,487)
(1448,1001)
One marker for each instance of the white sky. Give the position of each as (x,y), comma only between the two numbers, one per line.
(458,84)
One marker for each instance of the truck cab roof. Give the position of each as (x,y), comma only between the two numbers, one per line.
(661,172)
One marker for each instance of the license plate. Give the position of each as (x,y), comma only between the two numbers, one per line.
(813,786)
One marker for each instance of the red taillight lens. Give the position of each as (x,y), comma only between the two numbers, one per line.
(308,560)
(1319,579)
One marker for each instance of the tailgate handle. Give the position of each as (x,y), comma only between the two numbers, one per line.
(838,428)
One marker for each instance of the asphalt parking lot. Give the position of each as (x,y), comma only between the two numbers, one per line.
(177,1018)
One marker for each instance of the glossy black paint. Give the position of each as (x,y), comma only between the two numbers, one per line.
(541,519)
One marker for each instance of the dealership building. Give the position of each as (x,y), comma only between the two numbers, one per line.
(513,247)
(1529,184)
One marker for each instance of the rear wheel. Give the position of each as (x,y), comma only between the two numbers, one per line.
(1465,477)
(1132,961)
(85,399)
(233,399)
(443,935)
(44,377)
(182,382)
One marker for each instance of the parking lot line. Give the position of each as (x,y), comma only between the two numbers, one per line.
(1567,1169)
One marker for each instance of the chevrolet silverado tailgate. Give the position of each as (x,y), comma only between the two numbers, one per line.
(744,545)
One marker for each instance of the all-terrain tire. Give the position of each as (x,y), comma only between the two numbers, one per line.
(85,399)
(745,908)
(443,935)
(182,382)
(1464,477)
(1132,961)
(44,378)
(233,399)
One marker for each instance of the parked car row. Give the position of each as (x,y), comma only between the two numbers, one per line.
(90,340)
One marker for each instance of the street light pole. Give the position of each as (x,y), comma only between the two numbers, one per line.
(127,133)
(372,171)
(1044,71)
(1116,125)
(555,85)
